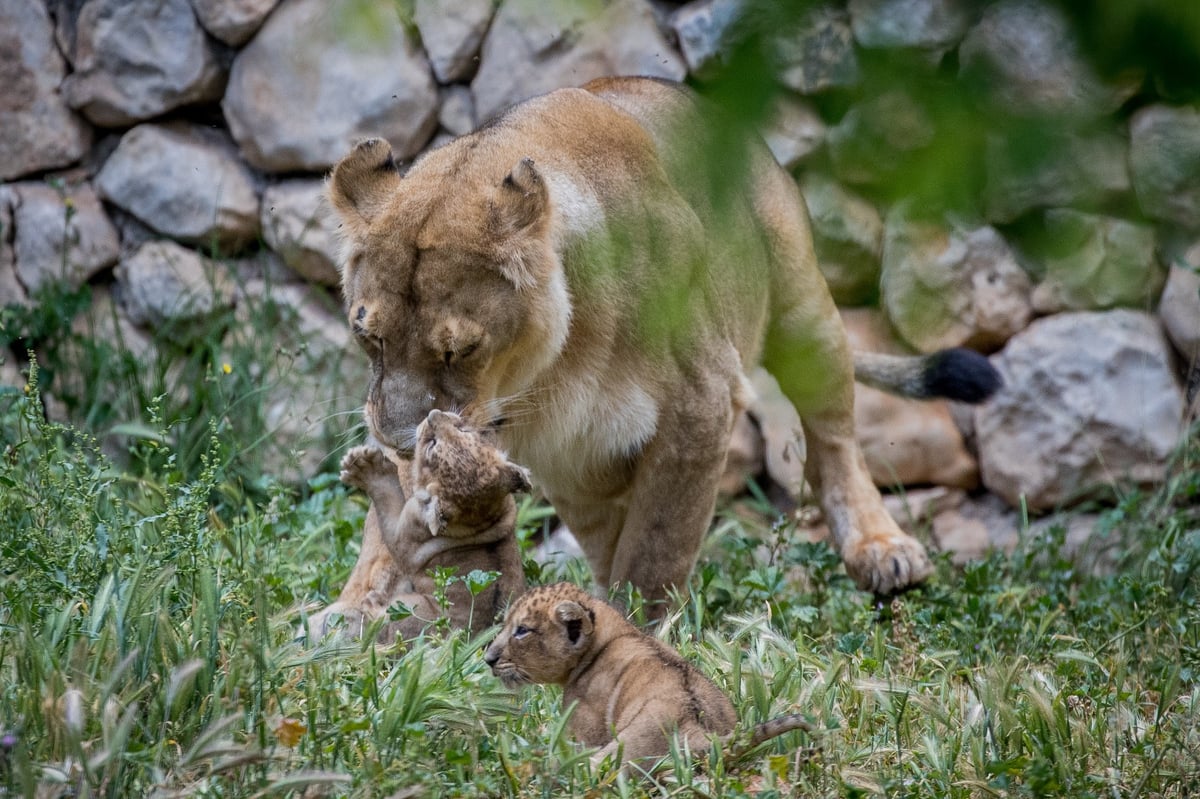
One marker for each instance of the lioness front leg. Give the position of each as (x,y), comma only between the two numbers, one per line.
(673,496)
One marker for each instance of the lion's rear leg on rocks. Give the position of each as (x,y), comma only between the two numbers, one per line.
(807,352)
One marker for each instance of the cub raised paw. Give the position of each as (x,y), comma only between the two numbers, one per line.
(369,469)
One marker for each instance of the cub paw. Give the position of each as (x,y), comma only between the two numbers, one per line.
(887,564)
(364,465)
(430,511)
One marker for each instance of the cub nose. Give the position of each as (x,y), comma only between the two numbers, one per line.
(491,655)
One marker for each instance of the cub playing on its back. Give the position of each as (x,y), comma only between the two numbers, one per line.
(633,691)
(451,507)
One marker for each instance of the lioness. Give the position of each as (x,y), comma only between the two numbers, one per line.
(577,274)
(630,691)
(451,507)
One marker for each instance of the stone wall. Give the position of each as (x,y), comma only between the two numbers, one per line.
(994,190)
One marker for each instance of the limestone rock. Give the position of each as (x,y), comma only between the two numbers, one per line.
(1165,158)
(951,284)
(298,225)
(135,59)
(848,234)
(11,290)
(40,129)
(784,450)
(164,284)
(705,30)
(930,24)
(60,234)
(1179,307)
(452,31)
(743,459)
(1097,262)
(1027,56)
(820,55)
(1090,399)
(794,130)
(183,181)
(310,84)
(873,138)
(971,527)
(10,373)
(233,21)
(1061,170)
(905,442)
(535,47)
(457,112)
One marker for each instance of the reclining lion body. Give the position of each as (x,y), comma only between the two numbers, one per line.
(581,275)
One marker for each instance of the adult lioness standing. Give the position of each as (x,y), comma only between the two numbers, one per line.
(578,274)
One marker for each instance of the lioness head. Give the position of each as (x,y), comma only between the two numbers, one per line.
(446,275)
(546,632)
(460,464)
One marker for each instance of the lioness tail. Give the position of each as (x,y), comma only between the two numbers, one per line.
(957,374)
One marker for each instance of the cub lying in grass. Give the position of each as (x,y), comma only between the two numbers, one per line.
(633,691)
(451,507)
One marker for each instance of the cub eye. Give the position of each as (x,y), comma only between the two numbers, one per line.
(521,631)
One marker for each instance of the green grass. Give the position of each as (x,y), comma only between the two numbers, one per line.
(152,580)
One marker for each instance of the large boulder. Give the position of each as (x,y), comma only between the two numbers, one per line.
(60,234)
(1026,56)
(848,235)
(297,224)
(233,21)
(951,284)
(318,76)
(1165,158)
(929,24)
(40,129)
(452,32)
(819,55)
(875,138)
(185,182)
(793,129)
(11,290)
(136,59)
(165,285)
(705,30)
(1060,169)
(1096,262)
(1091,399)
(905,442)
(534,47)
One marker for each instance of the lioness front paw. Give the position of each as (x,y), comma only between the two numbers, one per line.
(364,467)
(887,564)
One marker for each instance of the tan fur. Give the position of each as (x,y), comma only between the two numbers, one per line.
(629,692)
(450,507)
(570,275)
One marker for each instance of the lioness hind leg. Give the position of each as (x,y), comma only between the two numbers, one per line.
(808,354)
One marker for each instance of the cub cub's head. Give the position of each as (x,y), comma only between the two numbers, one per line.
(546,632)
(460,465)
(451,283)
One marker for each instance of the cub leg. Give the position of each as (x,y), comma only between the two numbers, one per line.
(808,354)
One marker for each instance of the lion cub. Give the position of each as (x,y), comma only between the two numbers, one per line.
(632,690)
(452,506)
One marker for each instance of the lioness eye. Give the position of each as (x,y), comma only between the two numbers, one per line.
(450,356)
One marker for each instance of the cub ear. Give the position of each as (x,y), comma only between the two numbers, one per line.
(522,200)
(362,183)
(518,479)
(576,619)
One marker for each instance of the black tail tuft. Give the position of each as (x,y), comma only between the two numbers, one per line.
(961,374)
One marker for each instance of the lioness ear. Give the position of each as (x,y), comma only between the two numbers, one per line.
(362,183)
(577,620)
(522,200)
